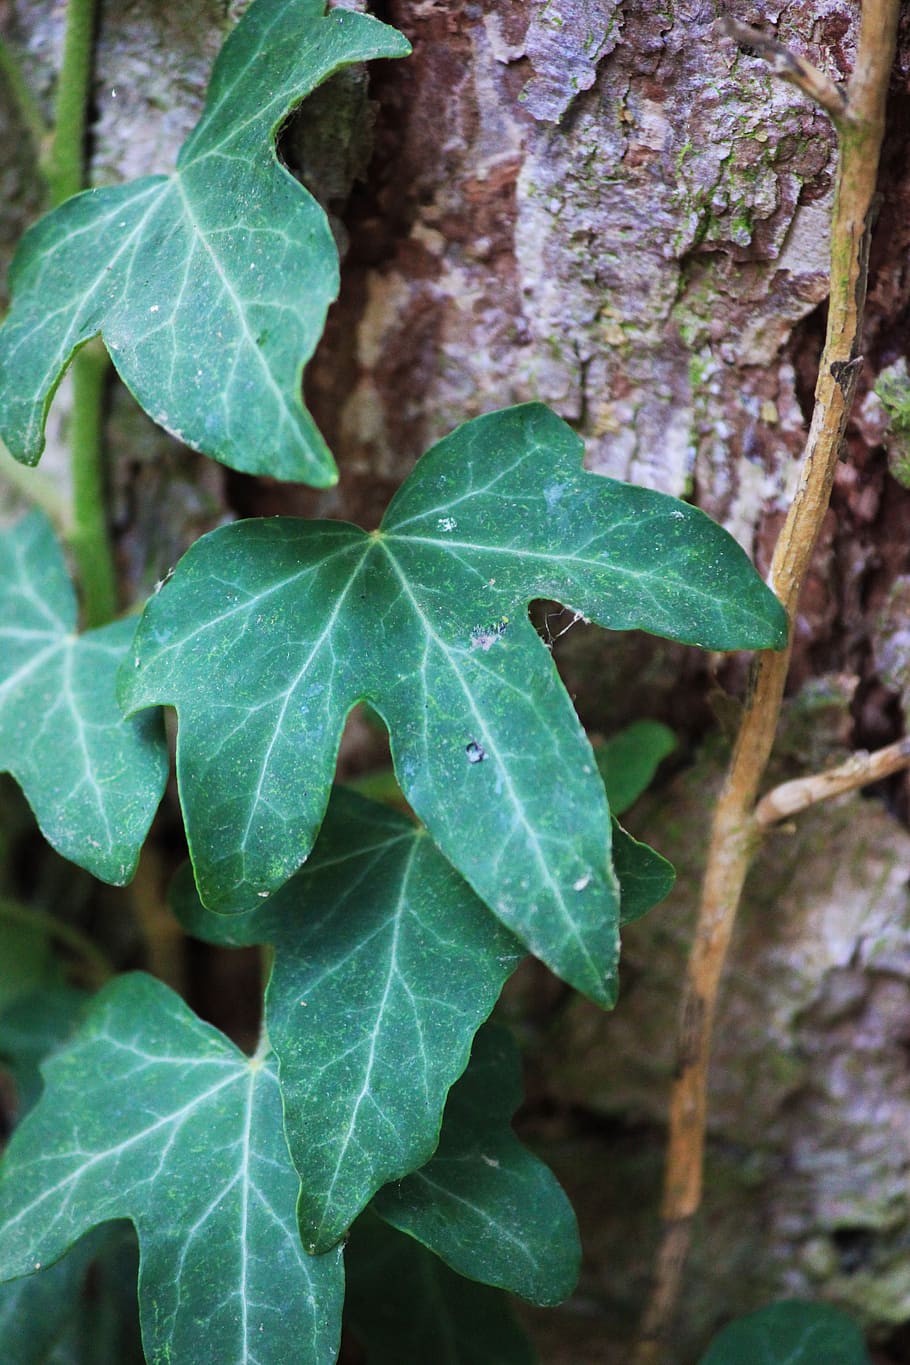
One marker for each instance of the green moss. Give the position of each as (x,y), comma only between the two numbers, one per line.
(741,226)
(684,152)
(696,371)
(893,388)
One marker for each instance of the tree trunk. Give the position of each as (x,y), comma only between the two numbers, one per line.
(609,207)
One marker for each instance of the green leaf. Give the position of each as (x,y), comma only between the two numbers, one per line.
(270,631)
(406,1306)
(35,1311)
(93,779)
(790,1333)
(78,1311)
(629,760)
(209,286)
(645,878)
(386,964)
(154,1116)
(31,1027)
(105,1325)
(490,1209)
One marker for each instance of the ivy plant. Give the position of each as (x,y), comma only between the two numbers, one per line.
(792,1331)
(210,285)
(93,782)
(369,1130)
(427,619)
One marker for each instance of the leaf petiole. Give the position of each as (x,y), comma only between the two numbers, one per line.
(88,536)
(64,171)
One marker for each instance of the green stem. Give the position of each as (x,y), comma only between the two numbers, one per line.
(165,941)
(65,173)
(99,969)
(266,964)
(89,535)
(26,105)
(65,164)
(379,785)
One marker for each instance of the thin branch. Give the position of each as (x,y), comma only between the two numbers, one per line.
(790,67)
(735,833)
(789,798)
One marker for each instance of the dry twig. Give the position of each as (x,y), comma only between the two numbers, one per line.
(790,67)
(857,771)
(736,828)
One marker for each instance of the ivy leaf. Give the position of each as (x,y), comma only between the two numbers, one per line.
(270,631)
(791,1331)
(77,1311)
(645,877)
(93,779)
(209,286)
(406,1305)
(105,1326)
(485,1204)
(35,1310)
(628,761)
(82,1309)
(386,964)
(144,1092)
(31,1027)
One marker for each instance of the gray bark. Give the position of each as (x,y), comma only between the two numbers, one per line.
(606,206)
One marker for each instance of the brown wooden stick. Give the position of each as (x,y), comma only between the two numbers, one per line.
(789,66)
(735,831)
(857,771)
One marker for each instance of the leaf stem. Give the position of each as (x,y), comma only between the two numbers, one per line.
(64,165)
(89,533)
(99,968)
(165,940)
(62,161)
(736,832)
(380,784)
(64,170)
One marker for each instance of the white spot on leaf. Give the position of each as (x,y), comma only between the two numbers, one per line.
(484,637)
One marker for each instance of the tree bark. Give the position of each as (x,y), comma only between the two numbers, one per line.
(607,206)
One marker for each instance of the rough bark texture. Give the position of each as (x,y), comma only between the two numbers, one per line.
(810,1098)
(606,206)
(614,211)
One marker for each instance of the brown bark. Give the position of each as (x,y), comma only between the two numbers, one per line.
(609,207)
(735,829)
